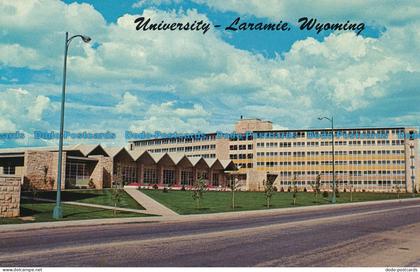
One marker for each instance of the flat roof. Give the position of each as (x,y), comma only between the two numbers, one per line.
(17,155)
(291,130)
(180,137)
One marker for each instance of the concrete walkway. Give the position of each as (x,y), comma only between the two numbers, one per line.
(91,205)
(151,205)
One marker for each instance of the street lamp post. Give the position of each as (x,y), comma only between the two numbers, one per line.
(413,186)
(57,212)
(333,200)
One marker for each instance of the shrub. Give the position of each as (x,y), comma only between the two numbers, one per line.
(165,190)
(155,186)
(344,190)
(183,188)
(275,189)
(305,190)
(91,184)
(289,189)
(364,191)
(282,189)
(325,194)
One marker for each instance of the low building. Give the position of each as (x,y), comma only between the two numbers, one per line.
(93,166)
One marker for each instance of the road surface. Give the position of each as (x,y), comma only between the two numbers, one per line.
(386,234)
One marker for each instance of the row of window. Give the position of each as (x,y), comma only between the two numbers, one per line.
(241,147)
(241,156)
(184,149)
(338,173)
(337,162)
(175,140)
(206,156)
(329,143)
(352,182)
(323,153)
(244,165)
(150,176)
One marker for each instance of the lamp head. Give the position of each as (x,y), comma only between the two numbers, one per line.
(86,39)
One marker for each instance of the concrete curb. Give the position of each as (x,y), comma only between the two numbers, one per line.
(192,218)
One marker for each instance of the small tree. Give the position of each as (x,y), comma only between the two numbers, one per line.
(337,191)
(398,190)
(34,192)
(117,188)
(198,190)
(268,191)
(351,192)
(316,187)
(233,185)
(295,190)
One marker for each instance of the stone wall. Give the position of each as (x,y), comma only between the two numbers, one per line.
(101,175)
(41,170)
(9,196)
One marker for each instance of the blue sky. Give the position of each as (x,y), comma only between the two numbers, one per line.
(185,81)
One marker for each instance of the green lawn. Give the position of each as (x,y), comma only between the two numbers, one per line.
(99,197)
(37,211)
(213,202)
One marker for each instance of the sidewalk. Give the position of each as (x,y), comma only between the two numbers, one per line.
(92,205)
(151,205)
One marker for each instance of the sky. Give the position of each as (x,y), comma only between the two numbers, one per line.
(187,82)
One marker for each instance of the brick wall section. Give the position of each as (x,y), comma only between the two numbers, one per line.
(41,170)
(101,175)
(9,196)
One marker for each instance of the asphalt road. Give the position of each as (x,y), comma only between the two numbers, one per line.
(386,234)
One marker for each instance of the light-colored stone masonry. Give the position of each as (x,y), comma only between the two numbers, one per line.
(10,196)
(41,170)
(102,173)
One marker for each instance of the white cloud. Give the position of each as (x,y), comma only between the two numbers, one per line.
(6,125)
(167,117)
(36,110)
(33,31)
(147,3)
(19,109)
(128,104)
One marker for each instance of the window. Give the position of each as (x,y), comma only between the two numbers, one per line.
(215,180)
(9,170)
(203,175)
(76,174)
(168,176)
(129,174)
(150,176)
(187,178)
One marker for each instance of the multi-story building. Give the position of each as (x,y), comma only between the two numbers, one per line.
(371,159)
